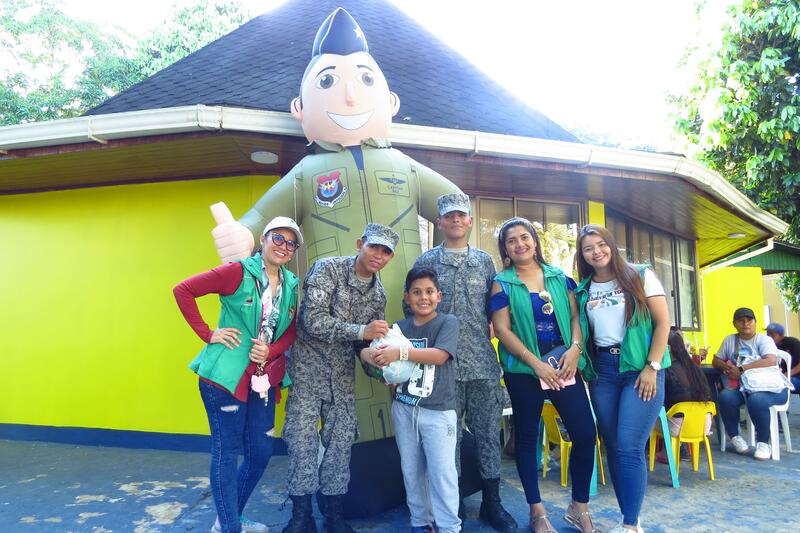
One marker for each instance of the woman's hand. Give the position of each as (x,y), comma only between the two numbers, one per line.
(646,383)
(568,365)
(227,336)
(384,355)
(259,352)
(546,373)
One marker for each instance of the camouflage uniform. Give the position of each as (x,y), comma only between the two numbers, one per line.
(465,280)
(336,303)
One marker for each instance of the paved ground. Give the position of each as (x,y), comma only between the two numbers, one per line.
(54,487)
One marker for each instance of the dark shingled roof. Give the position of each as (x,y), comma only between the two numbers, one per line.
(260,66)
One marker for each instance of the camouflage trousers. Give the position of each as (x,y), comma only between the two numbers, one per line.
(304,408)
(480,406)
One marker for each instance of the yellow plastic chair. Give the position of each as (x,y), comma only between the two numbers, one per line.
(552,434)
(693,431)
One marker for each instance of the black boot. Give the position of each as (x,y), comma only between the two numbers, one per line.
(302,519)
(334,515)
(492,510)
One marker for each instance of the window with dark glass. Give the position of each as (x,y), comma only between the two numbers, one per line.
(673,261)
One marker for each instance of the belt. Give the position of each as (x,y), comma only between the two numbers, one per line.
(613,350)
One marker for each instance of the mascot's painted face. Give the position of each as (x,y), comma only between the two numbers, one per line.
(345,99)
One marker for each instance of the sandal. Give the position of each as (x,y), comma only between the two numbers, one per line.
(544,523)
(576,520)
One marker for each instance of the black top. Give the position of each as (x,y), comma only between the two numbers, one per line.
(792,347)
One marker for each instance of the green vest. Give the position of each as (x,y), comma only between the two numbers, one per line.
(242,310)
(523,323)
(638,333)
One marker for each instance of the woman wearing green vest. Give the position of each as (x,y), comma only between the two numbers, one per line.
(243,364)
(625,322)
(534,312)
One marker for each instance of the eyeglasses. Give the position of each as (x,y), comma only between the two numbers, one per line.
(279,240)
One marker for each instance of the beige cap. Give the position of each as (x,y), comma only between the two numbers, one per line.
(284,222)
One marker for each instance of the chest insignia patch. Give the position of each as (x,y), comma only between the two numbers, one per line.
(330,189)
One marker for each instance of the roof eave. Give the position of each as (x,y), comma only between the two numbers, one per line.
(100,128)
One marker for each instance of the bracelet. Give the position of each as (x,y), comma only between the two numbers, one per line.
(522,355)
(576,343)
(404,353)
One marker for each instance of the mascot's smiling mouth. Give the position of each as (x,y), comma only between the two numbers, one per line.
(351,122)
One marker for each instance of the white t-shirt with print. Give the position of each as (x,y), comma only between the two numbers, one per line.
(606,308)
(752,349)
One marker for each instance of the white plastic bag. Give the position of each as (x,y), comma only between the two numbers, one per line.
(398,371)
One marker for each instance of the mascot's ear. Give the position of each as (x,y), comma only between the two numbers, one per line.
(297,109)
(395,102)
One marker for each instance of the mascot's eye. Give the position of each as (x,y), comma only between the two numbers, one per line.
(326,81)
(367,79)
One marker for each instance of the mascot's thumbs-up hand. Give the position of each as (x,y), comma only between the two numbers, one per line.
(232,240)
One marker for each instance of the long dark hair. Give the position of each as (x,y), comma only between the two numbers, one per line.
(501,239)
(627,276)
(698,384)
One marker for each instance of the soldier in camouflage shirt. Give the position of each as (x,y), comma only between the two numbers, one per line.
(465,279)
(343,307)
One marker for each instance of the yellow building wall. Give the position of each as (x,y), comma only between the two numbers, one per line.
(595,213)
(92,334)
(724,291)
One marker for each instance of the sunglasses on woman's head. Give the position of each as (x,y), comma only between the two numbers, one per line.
(279,240)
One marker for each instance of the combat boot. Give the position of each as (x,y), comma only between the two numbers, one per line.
(334,515)
(492,510)
(302,518)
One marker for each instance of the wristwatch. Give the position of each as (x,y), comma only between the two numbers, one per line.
(741,369)
(655,365)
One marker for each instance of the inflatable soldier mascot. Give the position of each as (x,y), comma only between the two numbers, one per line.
(352,178)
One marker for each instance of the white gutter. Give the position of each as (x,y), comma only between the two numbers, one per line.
(770,244)
(102,128)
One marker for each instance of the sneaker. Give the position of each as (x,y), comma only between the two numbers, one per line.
(739,444)
(619,528)
(763,451)
(248,526)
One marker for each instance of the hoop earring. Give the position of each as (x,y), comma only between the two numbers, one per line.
(507,262)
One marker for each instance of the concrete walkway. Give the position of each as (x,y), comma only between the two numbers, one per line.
(54,487)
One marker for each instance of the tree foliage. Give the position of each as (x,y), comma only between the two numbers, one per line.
(743,112)
(188,28)
(53,66)
(45,52)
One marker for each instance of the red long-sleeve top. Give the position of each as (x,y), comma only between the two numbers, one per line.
(223,280)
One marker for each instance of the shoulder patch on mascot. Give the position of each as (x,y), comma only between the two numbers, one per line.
(330,189)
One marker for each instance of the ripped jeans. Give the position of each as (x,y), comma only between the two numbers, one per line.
(236,427)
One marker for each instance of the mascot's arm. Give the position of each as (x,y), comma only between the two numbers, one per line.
(317,317)
(431,186)
(278,201)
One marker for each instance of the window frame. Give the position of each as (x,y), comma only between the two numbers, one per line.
(629,224)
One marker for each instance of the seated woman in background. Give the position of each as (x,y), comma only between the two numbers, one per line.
(683,382)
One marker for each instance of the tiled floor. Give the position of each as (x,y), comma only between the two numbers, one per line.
(54,487)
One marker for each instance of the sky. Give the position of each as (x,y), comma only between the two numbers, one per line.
(603,67)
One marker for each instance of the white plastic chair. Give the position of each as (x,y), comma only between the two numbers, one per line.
(776,412)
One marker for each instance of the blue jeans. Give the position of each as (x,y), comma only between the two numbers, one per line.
(796,383)
(625,422)
(236,427)
(758,404)
(426,439)
(572,405)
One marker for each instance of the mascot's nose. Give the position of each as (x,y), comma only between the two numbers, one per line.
(350,93)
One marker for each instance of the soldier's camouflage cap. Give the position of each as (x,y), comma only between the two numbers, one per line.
(380,234)
(454,201)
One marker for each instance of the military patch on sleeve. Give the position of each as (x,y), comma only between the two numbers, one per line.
(330,189)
